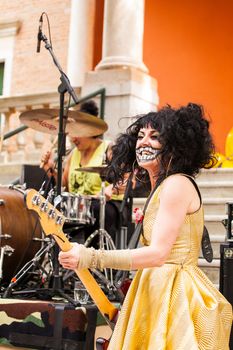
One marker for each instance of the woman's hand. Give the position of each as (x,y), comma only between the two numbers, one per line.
(47,162)
(70,259)
(108,192)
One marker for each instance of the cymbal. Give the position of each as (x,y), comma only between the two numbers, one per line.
(93,169)
(77,124)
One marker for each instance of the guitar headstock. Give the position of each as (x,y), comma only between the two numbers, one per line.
(51,219)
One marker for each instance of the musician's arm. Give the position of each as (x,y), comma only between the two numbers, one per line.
(65,175)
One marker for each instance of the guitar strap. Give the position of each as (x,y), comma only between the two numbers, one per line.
(121,275)
(205,243)
(206,246)
(139,227)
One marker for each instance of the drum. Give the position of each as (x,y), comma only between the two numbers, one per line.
(76,208)
(18,230)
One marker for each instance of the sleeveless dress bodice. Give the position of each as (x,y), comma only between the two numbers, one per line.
(186,249)
(174,306)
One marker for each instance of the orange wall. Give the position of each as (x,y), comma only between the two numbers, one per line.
(98,31)
(188,48)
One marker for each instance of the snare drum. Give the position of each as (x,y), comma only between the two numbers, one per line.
(76,208)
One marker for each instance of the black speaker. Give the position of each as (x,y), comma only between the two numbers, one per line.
(226,275)
(33,176)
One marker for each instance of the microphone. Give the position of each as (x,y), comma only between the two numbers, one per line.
(39,33)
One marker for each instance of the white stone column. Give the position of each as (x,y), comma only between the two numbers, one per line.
(130,90)
(123,34)
(80,51)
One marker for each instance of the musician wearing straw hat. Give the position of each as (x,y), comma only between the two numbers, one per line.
(89,152)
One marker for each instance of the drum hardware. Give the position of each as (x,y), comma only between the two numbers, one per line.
(20,188)
(2,202)
(105,240)
(33,263)
(5,236)
(46,240)
(76,208)
(5,250)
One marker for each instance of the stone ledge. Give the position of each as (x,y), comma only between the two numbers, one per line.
(204,263)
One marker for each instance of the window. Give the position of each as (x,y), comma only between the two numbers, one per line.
(8,31)
(1,76)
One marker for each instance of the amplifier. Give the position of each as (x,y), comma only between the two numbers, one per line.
(226,275)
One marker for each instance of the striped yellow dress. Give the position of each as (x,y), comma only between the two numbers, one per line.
(175,306)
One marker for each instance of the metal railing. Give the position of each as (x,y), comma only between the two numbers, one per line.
(101,92)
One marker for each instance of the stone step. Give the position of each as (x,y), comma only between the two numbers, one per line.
(9,173)
(215,228)
(214,224)
(216,174)
(12,171)
(216,189)
(216,205)
(210,269)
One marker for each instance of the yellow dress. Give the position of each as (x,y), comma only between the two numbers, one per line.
(175,306)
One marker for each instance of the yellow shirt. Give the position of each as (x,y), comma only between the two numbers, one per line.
(87,183)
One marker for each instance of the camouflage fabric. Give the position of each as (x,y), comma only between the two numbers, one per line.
(46,325)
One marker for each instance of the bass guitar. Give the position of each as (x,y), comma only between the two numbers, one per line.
(52,222)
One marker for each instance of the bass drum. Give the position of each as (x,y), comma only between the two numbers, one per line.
(18,229)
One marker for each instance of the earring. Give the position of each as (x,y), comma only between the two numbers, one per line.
(135,173)
(169,165)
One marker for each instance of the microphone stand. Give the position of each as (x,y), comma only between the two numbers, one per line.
(121,239)
(56,283)
(63,88)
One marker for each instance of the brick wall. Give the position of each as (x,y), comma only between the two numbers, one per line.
(35,72)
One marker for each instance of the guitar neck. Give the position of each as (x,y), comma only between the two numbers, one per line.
(53,225)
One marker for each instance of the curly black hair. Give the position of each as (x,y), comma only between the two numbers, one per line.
(89,107)
(187,145)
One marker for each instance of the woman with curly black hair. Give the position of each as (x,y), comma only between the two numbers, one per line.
(171,304)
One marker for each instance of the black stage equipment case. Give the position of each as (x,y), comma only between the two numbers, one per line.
(226,262)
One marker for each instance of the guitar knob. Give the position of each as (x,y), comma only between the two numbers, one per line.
(44,207)
(59,220)
(36,200)
(51,213)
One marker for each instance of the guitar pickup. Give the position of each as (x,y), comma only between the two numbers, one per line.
(59,220)
(51,213)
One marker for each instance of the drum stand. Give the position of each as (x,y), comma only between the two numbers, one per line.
(105,243)
(33,263)
(105,240)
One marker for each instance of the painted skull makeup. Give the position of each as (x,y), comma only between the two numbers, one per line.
(146,154)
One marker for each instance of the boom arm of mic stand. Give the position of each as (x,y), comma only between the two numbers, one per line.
(64,79)
(62,89)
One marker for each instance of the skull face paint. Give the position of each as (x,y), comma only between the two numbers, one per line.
(148,145)
(145,154)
